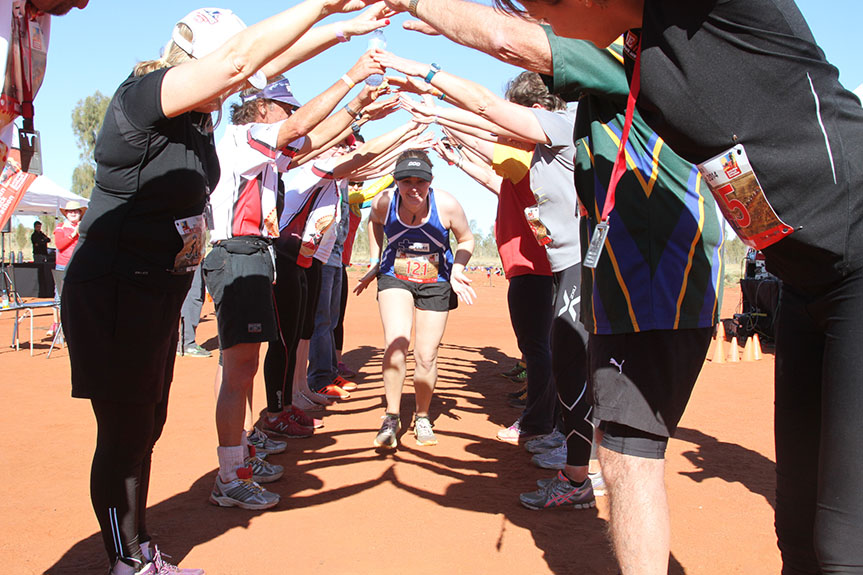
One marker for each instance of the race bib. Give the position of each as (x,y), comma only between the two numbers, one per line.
(540,232)
(417,268)
(738,193)
(191,231)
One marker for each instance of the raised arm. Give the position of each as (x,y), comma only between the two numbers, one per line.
(200,82)
(473,97)
(513,40)
(482,174)
(369,151)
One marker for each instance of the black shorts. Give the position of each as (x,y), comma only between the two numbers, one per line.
(643,381)
(438,296)
(122,337)
(239,274)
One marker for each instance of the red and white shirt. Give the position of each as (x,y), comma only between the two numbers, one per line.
(311,208)
(244,201)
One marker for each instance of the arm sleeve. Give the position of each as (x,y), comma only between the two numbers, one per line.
(558,126)
(580,68)
(262,150)
(141,100)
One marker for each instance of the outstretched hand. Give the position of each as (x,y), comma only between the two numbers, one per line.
(364,281)
(376,16)
(399,64)
(346,5)
(461,286)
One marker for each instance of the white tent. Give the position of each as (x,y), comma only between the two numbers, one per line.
(45,197)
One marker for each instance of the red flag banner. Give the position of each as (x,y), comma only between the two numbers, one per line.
(13,184)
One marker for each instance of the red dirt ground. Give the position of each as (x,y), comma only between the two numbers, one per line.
(347,509)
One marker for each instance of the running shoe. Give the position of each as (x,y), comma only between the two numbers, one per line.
(304,419)
(302,401)
(331,391)
(345,371)
(546,443)
(263,444)
(389,429)
(287,426)
(514,434)
(165,568)
(598,482)
(516,369)
(559,492)
(139,568)
(423,431)
(520,377)
(517,394)
(194,350)
(554,459)
(340,381)
(262,470)
(520,401)
(242,492)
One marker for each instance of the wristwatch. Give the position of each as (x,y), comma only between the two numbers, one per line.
(433,69)
(412,8)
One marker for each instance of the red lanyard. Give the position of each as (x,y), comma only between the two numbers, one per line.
(23,22)
(620,161)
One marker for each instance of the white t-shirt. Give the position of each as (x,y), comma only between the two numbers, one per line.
(313,193)
(244,201)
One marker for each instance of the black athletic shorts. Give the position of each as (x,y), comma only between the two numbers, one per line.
(122,337)
(239,274)
(438,296)
(641,383)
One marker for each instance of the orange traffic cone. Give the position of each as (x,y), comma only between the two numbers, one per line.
(757,346)
(718,351)
(749,350)
(734,352)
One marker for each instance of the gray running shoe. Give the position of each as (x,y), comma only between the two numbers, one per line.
(546,443)
(554,459)
(263,444)
(389,429)
(262,471)
(559,492)
(242,492)
(423,431)
(596,480)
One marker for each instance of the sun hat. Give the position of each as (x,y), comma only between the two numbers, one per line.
(73,205)
(413,168)
(211,27)
(280,90)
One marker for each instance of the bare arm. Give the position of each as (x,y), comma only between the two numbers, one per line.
(473,97)
(370,150)
(201,81)
(457,224)
(321,38)
(510,39)
(377,219)
(483,175)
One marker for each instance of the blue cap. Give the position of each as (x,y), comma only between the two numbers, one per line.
(279,90)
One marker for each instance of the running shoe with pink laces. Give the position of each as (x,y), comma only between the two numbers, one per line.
(285,424)
(304,418)
(165,568)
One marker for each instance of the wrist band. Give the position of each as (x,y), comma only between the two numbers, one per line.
(442,96)
(350,111)
(347,80)
(412,8)
(373,261)
(433,69)
(340,35)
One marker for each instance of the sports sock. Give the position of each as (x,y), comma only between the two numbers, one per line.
(230,459)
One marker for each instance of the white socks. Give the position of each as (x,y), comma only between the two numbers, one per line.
(230,459)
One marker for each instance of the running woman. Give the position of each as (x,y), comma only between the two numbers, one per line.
(417,271)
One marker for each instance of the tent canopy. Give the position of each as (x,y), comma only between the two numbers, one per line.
(45,197)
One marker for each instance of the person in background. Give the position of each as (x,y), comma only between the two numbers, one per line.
(40,243)
(190,317)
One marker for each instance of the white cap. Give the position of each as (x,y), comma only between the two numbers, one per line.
(212,27)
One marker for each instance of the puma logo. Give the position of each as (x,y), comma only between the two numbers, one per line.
(619,366)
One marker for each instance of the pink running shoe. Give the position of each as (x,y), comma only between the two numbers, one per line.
(286,425)
(165,568)
(304,418)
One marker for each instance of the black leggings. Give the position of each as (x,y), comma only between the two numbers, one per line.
(120,475)
(339,332)
(819,437)
(291,296)
(569,366)
(530,310)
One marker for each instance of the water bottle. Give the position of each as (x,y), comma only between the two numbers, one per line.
(377,41)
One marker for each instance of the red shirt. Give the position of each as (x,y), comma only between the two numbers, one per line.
(65,243)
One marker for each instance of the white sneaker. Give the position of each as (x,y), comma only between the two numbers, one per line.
(242,492)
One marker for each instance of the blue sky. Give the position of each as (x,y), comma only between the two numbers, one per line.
(95,49)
